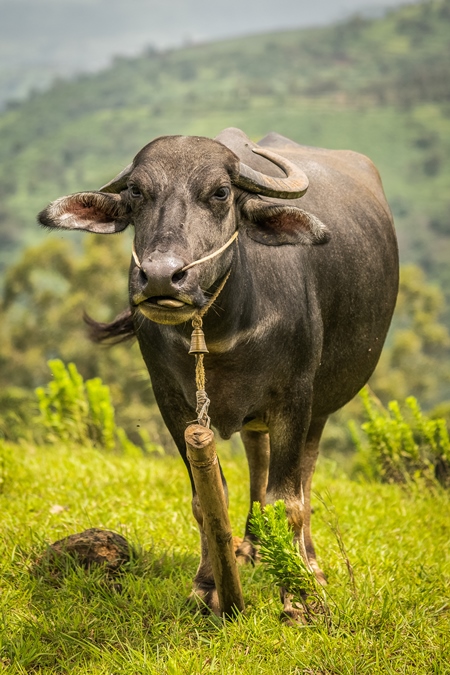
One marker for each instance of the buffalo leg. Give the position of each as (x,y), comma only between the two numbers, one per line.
(257,449)
(175,415)
(307,465)
(292,462)
(204,584)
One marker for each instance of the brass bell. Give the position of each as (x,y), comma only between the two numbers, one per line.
(198,344)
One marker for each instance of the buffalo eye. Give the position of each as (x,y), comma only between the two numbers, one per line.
(222,193)
(134,192)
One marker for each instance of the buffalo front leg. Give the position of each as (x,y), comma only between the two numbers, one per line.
(292,462)
(204,591)
(257,449)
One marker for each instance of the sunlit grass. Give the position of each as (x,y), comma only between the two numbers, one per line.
(397,541)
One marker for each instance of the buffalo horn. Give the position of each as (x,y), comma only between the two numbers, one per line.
(292,187)
(118,183)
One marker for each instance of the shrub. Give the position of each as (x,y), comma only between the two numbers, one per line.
(401,446)
(78,411)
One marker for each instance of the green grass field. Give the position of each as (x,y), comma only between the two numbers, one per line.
(397,540)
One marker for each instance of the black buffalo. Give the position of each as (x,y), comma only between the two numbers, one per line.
(300,323)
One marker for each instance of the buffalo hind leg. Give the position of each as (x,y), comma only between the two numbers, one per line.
(307,466)
(257,449)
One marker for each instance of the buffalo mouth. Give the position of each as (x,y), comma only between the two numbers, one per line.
(166,309)
(167,302)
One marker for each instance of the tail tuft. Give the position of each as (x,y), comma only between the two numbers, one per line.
(119,330)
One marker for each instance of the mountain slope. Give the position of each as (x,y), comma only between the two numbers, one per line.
(44,39)
(381,87)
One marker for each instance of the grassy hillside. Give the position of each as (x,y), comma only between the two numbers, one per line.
(377,86)
(395,621)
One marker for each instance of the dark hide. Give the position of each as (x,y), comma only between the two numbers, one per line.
(298,328)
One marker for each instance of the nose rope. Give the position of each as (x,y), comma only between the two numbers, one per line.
(196,262)
(136,259)
(212,255)
(199,349)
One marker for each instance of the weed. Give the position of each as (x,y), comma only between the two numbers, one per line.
(281,556)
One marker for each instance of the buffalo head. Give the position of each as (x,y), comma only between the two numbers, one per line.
(185,197)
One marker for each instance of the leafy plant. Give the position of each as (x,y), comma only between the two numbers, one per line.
(401,445)
(281,556)
(63,406)
(72,410)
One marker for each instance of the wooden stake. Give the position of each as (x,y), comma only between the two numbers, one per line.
(201,453)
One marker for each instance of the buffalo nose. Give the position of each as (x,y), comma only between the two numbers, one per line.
(161,277)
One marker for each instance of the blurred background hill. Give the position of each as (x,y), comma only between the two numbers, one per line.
(44,39)
(378,83)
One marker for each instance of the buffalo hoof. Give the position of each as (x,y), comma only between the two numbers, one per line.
(294,617)
(245,551)
(205,600)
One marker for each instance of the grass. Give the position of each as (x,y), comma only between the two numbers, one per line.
(395,621)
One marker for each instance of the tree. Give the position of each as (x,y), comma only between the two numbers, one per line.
(44,298)
(416,359)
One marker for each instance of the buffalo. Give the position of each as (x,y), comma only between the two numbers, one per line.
(307,292)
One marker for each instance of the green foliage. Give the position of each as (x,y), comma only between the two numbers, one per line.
(285,564)
(81,412)
(416,360)
(44,297)
(401,446)
(72,410)
(279,552)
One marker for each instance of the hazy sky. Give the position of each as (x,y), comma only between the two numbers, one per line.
(85,34)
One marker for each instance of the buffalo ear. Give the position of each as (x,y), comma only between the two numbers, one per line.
(278,224)
(91,211)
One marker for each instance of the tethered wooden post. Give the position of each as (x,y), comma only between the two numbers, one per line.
(201,453)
